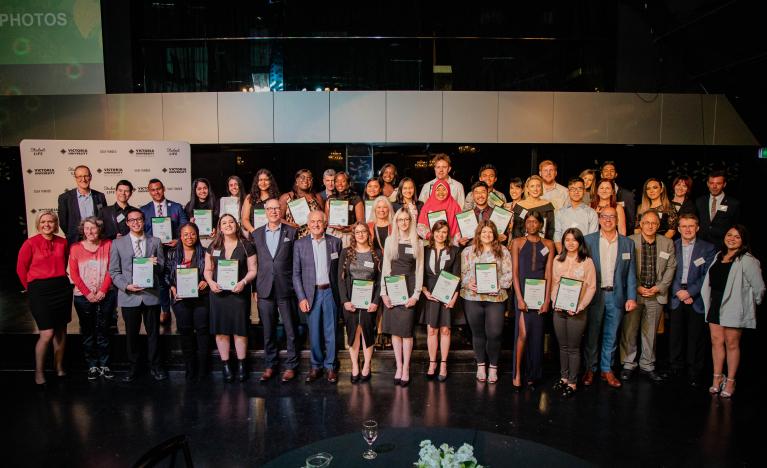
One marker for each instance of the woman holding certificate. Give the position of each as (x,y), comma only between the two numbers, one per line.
(202,208)
(232,203)
(442,270)
(486,274)
(533,203)
(439,205)
(230,265)
(299,202)
(532,257)
(184,272)
(343,209)
(574,285)
(358,290)
(402,279)
(264,187)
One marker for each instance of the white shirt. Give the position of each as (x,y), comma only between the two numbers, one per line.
(164,204)
(456,190)
(608,254)
(719,199)
(558,196)
(141,240)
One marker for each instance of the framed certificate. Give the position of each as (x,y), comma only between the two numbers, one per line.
(204,221)
(396,289)
(435,216)
(369,211)
(187,283)
(445,286)
(300,210)
(467,223)
(494,199)
(259,218)
(486,275)
(501,218)
(338,213)
(143,272)
(226,276)
(568,294)
(362,294)
(535,293)
(161,228)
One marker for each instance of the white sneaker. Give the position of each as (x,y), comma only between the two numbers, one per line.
(107,374)
(94,373)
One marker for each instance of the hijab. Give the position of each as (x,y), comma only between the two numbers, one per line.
(449,205)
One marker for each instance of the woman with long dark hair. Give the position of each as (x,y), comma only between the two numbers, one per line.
(406,197)
(202,198)
(302,188)
(232,203)
(263,188)
(356,210)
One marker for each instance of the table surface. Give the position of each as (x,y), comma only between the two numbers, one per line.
(399,447)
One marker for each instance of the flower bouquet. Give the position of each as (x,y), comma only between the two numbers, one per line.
(446,456)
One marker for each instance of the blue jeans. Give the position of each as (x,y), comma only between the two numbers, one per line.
(604,320)
(612,323)
(322,323)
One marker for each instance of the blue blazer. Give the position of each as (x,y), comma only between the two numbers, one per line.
(304,276)
(695,275)
(275,277)
(176,212)
(625,278)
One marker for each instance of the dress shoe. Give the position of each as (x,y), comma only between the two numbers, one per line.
(365,378)
(332,376)
(158,373)
(242,373)
(268,374)
(313,375)
(626,374)
(131,375)
(588,378)
(354,378)
(609,377)
(653,375)
(288,375)
(227,371)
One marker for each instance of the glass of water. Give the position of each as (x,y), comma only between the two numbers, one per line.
(319,460)
(370,434)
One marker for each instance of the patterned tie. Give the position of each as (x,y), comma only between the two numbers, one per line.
(137,249)
(159,210)
(713,207)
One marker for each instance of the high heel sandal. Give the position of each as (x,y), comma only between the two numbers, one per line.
(724,393)
(481,375)
(716,388)
(430,376)
(559,386)
(492,374)
(442,377)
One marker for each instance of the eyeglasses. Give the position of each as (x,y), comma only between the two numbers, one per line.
(650,223)
(576,189)
(82,177)
(134,220)
(272,208)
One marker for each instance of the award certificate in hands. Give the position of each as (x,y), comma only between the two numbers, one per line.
(568,294)
(362,294)
(300,210)
(435,216)
(396,289)
(143,272)
(187,283)
(467,223)
(161,228)
(339,213)
(535,293)
(231,205)
(486,276)
(501,218)
(369,211)
(204,221)
(259,218)
(445,287)
(494,199)
(227,274)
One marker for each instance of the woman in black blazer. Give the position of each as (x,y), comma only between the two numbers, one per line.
(438,316)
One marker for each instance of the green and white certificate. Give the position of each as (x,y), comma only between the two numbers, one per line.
(230,205)
(445,287)
(187,282)
(501,218)
(494,199)
(204,221)
(396,289)
(369,211)
(143,272)
(300,210)
(227,274)
(362,293)
(435,216)
(535,293)
(486,275)
(339,213)
(162,229)
(259,218)
(467,223)
(568,294)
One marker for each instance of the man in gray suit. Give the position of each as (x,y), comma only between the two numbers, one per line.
(656,265)
(136,301)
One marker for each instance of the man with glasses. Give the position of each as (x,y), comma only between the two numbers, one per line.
(78,204)
(137,302)
(613,256)
(552,191)
(656,264)
(574,214)
(623,196)
(274,289)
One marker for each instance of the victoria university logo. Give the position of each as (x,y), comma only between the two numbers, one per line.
(142,152)
(41,172)
(74,151)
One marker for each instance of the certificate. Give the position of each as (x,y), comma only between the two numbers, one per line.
(204,221)
(259,218)
(396,289)
(486,276)
(501,217)
(299,209)
(161,228)
(369,211)
(227,274)
(435,216)
(568,294)
(230,205)
(445,288)
(187,282)
(143,272)
(467,223)
(362,294)
(535,293)
(339,213)
(494,199)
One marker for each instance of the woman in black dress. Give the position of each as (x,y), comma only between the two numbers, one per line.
(344,192)
(230,308)
(359,261)
(438,316)
(202,198)
(263,188)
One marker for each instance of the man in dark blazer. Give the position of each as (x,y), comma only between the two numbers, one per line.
(315,280)
(114,215)
(616,293)
(79,203)
(274,289)
(694,256)
(716,211)
(623,196)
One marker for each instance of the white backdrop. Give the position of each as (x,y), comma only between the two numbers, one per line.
(48,167)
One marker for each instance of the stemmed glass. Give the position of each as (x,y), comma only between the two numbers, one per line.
(370,434)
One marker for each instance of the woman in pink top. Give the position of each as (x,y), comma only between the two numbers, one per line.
(573,263)
(95,298)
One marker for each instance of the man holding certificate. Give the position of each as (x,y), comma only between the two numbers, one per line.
(489,175)
(480,211)
(135,265)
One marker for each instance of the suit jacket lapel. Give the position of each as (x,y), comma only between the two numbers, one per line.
(280,241)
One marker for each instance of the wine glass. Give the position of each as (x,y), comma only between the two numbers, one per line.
(370,434)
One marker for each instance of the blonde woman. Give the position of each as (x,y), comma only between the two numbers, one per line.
(533,203)
(589,177)
(654,197)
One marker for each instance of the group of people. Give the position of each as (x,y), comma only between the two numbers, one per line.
(583,259)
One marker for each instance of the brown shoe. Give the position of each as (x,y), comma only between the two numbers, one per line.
(288,375)
(332,377)
(588,378)
(313,375)
(611,380)
(268,374)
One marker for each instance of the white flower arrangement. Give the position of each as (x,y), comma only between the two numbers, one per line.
(446,456)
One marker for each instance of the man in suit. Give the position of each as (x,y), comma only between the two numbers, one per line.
(615,263)
(656,264)
(161,207)
(78,204)
(114,215)
(694,256)
(274,288)
(315,280)
(623,196)
(135,301)
(716,211)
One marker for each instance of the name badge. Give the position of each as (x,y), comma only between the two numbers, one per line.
(409,250)
(722,208)
(699,261)
(369,265)
(286,240)
(660,215)
(664,255)
(545,251)
(626,256)
(334,256)
(351,207)
(622,203)
(523,213)
(120,218)
(216,253)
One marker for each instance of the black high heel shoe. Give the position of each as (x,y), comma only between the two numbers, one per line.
(433,374)
(242,374)
(228,377)
(355,378)
(442,377)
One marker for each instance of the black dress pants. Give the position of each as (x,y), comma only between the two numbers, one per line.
(151,317)
(687,340)
(267,310)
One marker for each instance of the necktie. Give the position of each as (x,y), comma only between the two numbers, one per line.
(713,207)
(159,210)
(137,249)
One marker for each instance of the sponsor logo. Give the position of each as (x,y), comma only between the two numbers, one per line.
(74,151)
(108,151)
(37,151)
(110,170)
(142,152)
(42,191)
(143,169)
(109,189)
(174,170)
(37,210)
(45,171)
(142,190)
(173,150)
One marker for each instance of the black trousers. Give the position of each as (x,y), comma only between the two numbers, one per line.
(151,317)
(486,322)
(267,311)
(687,340)
(95,318)
(193,323)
